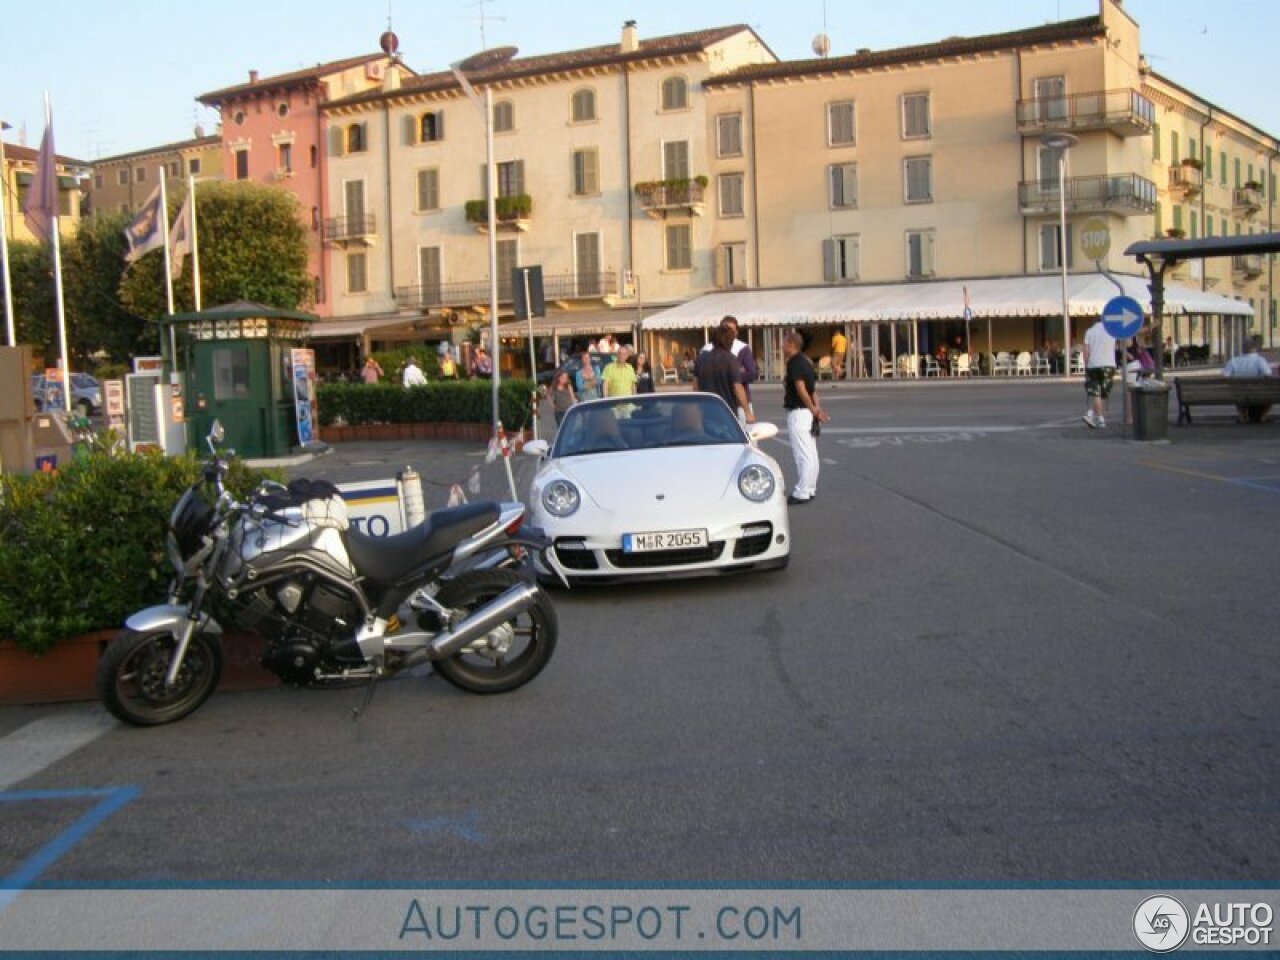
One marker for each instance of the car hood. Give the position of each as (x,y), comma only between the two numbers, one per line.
(679,476)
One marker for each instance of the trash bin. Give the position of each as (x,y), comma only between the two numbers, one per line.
(1150,402)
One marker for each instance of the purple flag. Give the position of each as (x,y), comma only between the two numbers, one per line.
(41,205)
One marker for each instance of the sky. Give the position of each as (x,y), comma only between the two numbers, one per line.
(123,75)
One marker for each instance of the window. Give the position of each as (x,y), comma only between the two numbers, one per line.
(97,181)
(282,109)
(919,253)
(175,169)
(729,135)
(586,173)
(841,131)
(504,116)
(428,190)
(1051,247)
(1051,99)
(1049,159)
(140,174)
(1208,225)
(238,117)
(242,164)
(353,204)
(230,373)
(314,155)
(679,246)
(1192,153)
(508,260)
(1159,214)
(284,160)
(731,265)
(430,276)
(357,273)
(1208,163)
(583,106)
(431,127)
(122,178)
(675,160)
(731,194)
(1237,165)
(193,166)
(840,259)
(1177,217)
(918,179)
(842,180)
(1174,154)
(511,178)
(1195,224)
(586,264)
(916,122)
(675,93)
(356,138)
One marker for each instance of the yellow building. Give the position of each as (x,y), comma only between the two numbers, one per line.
(123,182)
(19,168)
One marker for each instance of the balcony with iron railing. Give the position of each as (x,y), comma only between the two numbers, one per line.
(1248,265)
(660,198)
(1125,112)
(1126,194)
(360,228)
(512,212)
(1247,200)
(555,286)
(1186,178)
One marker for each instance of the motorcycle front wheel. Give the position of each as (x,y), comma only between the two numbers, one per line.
(132,672)
(518,650)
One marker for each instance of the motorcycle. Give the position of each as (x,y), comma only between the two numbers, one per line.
(335,606)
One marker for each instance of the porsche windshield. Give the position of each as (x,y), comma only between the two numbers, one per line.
(647,423)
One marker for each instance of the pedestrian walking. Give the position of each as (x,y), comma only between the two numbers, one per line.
(412,376)
(644,374)
(484,363)
(587,378)
(718,371)
(804,415)
(619,376)
(372,371)
(562,395)
(1099,372)
(839,349)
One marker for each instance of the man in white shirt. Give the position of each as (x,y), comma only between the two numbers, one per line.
(413,375)
(1250,364)
(740,349)
(1099,371)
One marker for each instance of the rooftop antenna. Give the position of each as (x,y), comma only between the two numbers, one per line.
(484,19)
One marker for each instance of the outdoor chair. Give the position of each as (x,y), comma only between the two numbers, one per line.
(1077,362)
(1041,364)
(1022,366)
(932,367)
(886,368)
(960,367)
(1003,364)
(668,372)
(825,372)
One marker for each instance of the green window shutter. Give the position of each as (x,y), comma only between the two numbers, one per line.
(1159,220)
(1222,167)
(1177,216)
(1237,172)
(1155,141)
(1174,154)
(1191,148)
(1208,225)
(1208,163)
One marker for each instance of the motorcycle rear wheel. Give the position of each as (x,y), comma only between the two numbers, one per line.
(537,627)
(132,672)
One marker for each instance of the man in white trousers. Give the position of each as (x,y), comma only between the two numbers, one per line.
(803,415)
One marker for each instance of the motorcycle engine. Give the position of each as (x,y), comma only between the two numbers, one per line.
(302,618)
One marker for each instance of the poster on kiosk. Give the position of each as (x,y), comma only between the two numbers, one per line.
(302,366)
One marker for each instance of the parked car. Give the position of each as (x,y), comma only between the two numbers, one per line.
(86,394)
(656,486)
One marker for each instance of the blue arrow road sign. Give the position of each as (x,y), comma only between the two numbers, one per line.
(1122,317)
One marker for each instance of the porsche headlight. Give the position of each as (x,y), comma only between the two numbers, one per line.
(561,498)
(756,483)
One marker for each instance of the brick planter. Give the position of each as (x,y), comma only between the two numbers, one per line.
(67,671)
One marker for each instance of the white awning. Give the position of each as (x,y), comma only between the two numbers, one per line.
(1039,296)
(355,327)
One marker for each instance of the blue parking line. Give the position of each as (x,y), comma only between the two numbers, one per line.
(113,799)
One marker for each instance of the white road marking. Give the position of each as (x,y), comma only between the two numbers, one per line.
(44,742)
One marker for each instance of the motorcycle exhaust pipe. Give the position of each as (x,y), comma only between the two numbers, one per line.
(499,610)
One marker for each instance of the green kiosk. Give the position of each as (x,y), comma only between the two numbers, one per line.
(239,369)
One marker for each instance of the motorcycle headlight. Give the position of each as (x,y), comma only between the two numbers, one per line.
(756,483)
(561,498)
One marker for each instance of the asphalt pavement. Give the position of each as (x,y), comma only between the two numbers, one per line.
(1008,648)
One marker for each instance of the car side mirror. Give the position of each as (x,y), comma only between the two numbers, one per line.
(537,448)
(762,431)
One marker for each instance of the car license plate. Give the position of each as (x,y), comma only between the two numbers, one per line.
(664,540)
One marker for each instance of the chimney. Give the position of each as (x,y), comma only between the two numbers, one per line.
(391,79)
(630,40)
(253,76)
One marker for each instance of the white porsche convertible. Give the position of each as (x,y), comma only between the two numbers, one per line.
(659,485)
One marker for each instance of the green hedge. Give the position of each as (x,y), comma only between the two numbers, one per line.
(461,401)
(83,548)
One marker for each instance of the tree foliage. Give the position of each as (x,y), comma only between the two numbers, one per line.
(253,246)
(96,320)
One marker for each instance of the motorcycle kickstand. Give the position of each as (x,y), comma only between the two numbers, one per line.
(369,690)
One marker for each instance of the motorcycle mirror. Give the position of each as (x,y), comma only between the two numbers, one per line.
(537,448)
(217,433)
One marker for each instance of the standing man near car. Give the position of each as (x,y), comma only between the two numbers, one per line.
(800,399)
(740,349)
(619,376)
(718,371)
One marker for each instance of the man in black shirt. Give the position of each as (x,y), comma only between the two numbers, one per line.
(803,414)
(718,371)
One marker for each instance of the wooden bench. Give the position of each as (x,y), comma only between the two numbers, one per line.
(1223,392)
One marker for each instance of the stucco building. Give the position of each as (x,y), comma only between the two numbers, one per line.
(121,183)
(19,169)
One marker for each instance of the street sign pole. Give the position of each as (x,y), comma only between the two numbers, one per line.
(1122,317)
(533,356)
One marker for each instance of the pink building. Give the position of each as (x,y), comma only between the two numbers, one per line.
(272,133)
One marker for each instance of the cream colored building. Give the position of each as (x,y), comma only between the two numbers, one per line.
(576,133)
(15,178)
(122,183)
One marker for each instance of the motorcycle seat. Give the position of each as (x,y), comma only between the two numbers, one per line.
(388,560)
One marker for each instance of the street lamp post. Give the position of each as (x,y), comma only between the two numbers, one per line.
(1062,142)
(4,243)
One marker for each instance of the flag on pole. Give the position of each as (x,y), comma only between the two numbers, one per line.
(41,205)
(180,235)
(145,231)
